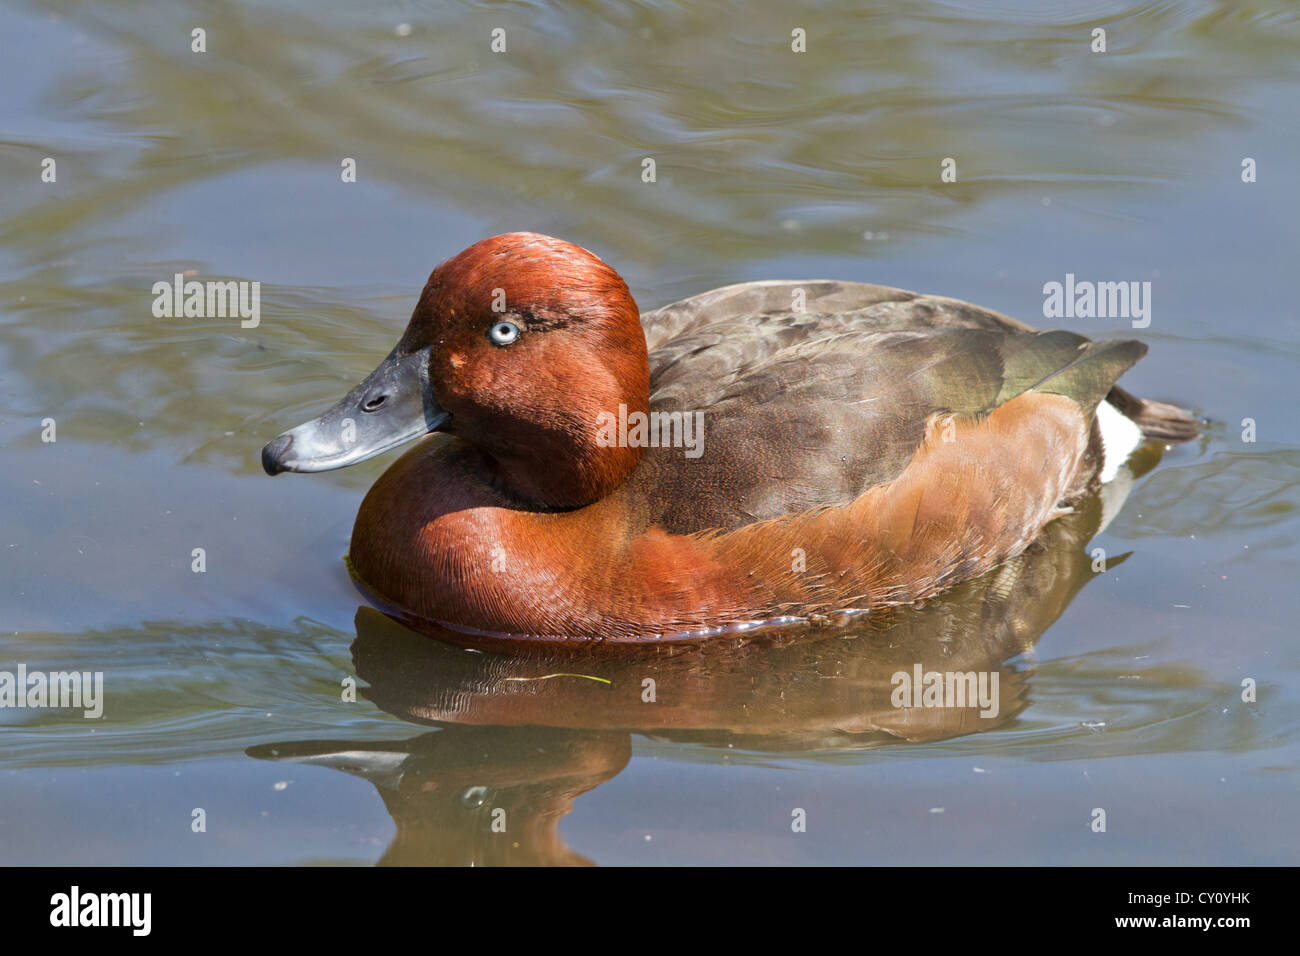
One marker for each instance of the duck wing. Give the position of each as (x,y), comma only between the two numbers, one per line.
(813,392)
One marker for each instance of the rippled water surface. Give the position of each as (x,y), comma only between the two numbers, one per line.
(224,690)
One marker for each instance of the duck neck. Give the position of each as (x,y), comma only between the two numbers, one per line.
(562,477)
(575,458)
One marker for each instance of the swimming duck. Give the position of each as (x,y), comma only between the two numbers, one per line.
(860,447)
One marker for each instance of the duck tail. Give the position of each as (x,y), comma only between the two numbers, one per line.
(1157,420)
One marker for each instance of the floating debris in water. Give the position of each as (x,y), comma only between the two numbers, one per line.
(549,676)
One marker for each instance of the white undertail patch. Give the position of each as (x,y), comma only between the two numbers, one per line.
(1119,436)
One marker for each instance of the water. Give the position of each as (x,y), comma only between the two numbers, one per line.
(226,690)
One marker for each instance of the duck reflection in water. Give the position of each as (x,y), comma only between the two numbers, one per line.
(524,732)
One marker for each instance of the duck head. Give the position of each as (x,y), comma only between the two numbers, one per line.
(517,346)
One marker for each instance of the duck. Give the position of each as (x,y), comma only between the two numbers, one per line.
(763,454)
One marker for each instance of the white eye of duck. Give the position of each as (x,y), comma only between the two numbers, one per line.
(503,333)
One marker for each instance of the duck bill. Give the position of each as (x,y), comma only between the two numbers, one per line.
(393,406)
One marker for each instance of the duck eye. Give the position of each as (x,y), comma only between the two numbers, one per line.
(503,333)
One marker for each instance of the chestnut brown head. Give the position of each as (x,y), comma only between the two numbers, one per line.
(517,345)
